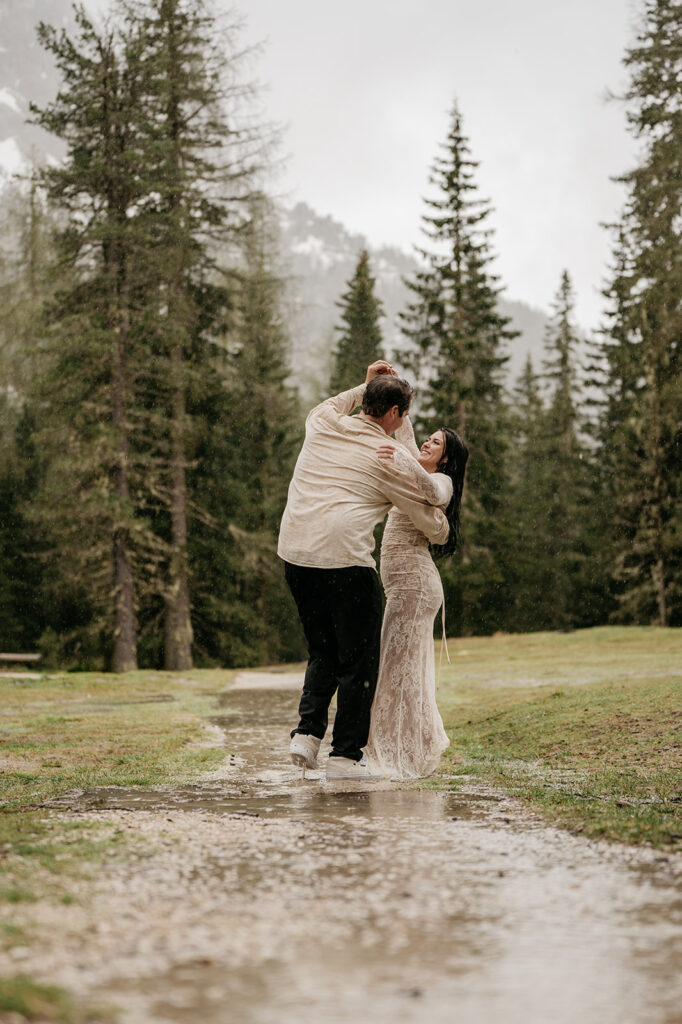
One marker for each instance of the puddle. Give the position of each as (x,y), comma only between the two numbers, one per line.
(324,803)
(263,783)
(157,698)
(276,680)
(92,704)
(269,899)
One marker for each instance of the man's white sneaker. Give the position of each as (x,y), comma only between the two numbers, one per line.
(303,751)
(345,768)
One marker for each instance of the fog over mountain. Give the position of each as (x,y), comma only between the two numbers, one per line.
(319,253)
(26,74)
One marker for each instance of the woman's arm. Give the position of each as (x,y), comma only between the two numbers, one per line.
(405,434)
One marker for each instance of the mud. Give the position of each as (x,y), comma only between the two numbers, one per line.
(260,898)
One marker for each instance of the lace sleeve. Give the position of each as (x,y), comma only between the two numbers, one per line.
(405,434)
(435,487)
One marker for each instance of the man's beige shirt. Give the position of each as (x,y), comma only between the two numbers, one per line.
(341,489)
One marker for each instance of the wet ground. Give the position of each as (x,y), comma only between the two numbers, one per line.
(259,898)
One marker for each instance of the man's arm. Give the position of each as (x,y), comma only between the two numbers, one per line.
(404,493)
(341,405)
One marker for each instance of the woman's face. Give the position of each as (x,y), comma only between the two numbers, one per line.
(431,452)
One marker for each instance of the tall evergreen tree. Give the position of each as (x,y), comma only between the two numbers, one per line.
(528,568)
(25,279)
(456,349)
(155,181)
(90,513)
(563,454)
(360,341)
(25,283)
(201,170)
(554,562)
(244,612)
(641,430)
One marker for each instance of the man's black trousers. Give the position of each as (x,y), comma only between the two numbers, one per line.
(340,610)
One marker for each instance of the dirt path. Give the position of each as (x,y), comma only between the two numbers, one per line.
(258,898)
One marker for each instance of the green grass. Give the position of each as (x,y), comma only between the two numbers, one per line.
(88,729)
(585,727)
(72,731)
(45,1003)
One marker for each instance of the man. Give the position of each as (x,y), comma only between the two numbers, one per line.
(339,491)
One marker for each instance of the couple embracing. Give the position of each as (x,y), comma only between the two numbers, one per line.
(349,474)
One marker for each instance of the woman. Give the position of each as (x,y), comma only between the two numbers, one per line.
(406,736)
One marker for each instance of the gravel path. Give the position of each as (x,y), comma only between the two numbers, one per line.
(258,898)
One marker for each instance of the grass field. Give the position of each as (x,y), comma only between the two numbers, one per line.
(585,727)
(70,731)
(88,729)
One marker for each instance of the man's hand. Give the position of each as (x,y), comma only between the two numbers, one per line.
(378,368)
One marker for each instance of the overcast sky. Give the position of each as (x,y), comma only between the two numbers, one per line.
(364,87)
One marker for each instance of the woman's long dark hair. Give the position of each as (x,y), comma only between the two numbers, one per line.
(453,464)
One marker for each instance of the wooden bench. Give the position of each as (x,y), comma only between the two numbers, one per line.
(18,659)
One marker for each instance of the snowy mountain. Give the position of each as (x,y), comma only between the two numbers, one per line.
(26,74)
(320,255)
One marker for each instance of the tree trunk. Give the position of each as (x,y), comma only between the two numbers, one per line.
(659,583)
(125,628)
(178,623)
(125,621)
(658,568)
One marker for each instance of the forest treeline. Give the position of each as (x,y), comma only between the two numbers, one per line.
(148,418)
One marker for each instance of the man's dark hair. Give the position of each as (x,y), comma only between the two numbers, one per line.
(385,391)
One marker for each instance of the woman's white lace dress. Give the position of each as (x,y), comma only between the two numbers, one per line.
(407,737)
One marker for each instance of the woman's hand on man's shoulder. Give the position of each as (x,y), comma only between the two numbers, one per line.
(386,452)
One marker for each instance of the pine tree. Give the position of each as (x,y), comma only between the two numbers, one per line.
(528,567)
(456,349)
(640,427)
(25,279)
(201,163)
(21,606)
(360,341)
(244,611)
(25,283)
(554,565)
(155,181)
(269,425)
(562,451)
(88,327)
